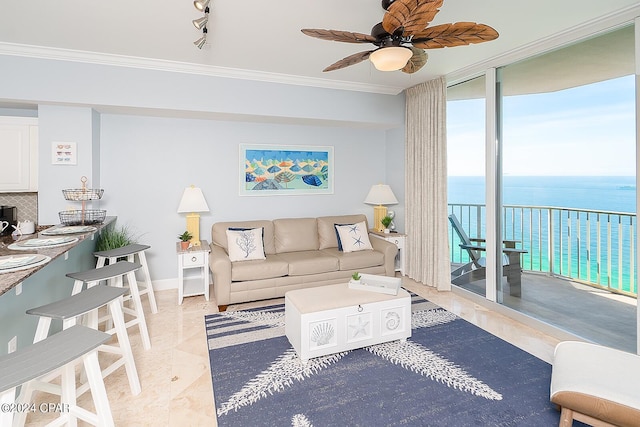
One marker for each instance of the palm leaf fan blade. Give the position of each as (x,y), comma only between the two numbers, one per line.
(349,60)
(416,62)
(412,15)
(451,35)
(338,36)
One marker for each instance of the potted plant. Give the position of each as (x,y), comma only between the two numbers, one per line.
(385,222)
(355,278)
(113,238)
(184,240)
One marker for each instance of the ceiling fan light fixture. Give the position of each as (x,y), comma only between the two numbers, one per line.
(201,5)
(200,22)
(390,58)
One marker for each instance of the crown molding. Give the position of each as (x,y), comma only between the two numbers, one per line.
(554,41)
(59,54)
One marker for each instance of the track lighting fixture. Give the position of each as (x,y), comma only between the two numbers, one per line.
(202,40)
(201,4)
(200,22)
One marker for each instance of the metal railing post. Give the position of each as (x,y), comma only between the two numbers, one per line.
(550,242)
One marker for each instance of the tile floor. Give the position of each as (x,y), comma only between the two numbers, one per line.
(175,376)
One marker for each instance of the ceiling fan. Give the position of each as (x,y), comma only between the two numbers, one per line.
(403,35)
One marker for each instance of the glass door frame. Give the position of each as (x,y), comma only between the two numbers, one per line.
(494,144)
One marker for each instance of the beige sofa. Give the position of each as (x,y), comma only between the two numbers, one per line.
(300,253)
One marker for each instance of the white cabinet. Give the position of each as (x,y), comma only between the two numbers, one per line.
(19,148)
(397,239)
(196,257)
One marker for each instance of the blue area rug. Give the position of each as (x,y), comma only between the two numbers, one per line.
(449,373)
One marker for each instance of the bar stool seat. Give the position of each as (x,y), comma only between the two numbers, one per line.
(116,272)
(58,353)
(89,301)
(130,252)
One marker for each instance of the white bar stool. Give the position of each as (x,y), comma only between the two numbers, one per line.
(130,252)
(116,272)
(58,354)
(69,309)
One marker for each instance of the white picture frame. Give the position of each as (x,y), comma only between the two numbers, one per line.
(64,153)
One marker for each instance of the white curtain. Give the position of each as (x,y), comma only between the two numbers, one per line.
(426,184)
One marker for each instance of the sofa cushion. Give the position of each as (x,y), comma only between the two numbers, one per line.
(245,244)
(309,262)
(219,233)
(295,234)
(356,260)
(326,231)
(353,237)
(271,267)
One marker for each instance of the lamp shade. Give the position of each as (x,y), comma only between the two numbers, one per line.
(390,58)
(380,194)
(193,201)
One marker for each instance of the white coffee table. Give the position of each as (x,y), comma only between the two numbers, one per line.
(333,318)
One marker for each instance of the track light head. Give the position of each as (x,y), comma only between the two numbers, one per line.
(200,22)
(201,5)
(202,40)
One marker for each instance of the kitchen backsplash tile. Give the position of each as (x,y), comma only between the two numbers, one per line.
(27,204)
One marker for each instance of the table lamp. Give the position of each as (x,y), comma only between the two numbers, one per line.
(380,194)
(193,202)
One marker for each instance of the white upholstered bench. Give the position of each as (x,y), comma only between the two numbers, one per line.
(597,385)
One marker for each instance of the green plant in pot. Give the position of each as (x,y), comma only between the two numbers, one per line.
(113,238)
(355,278)
(386,221)
(184,240)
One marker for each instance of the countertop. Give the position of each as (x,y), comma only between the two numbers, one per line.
(9,280)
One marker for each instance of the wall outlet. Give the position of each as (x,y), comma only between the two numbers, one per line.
(18,288)
(13,345)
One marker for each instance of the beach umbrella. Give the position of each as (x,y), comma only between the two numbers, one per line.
(312,180)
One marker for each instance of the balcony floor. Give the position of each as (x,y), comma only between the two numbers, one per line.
(593,314)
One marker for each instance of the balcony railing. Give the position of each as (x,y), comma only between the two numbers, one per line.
(596,248)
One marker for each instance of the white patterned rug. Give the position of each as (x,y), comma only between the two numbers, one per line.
(449,373)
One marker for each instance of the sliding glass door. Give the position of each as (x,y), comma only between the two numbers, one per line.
(548,156)
(466,182)
(568,187)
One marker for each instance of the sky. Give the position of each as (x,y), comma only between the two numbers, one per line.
(589,130)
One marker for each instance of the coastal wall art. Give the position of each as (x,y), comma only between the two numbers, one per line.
(285,170)
(64,153)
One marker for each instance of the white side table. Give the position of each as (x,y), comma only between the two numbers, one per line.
(194,257)
(397,239)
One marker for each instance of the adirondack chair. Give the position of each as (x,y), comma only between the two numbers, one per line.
(476,269)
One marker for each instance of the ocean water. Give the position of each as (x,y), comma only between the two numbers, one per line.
(607,193)
(601,250)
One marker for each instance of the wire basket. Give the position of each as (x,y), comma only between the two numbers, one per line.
(85,217)
(80,194)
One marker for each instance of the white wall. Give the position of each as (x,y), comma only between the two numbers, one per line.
(144,135)
(147,162)
(60,124)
